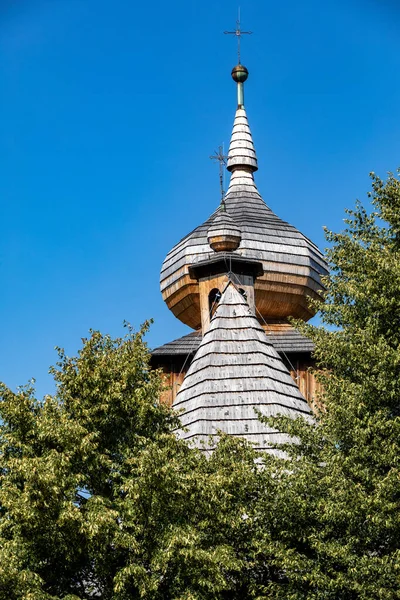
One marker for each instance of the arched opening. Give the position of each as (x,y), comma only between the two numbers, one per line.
(213,298)
(244,293)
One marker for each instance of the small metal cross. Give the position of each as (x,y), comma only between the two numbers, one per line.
(238,33)
(221,158)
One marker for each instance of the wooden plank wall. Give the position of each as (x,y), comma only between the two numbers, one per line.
(306,381)
(172,382)
(308,385)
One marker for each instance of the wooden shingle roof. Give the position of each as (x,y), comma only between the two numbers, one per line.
(282,336)
(223,234)
(236,370)
(292,264)
(241,148)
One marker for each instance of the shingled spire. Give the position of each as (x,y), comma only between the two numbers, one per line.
(292,264)
(235,371)
(242,154)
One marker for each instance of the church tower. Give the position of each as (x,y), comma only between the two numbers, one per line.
(235,280)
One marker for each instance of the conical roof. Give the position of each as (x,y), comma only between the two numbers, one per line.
(241,148)
(235,371)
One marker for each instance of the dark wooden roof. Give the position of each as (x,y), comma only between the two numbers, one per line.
(283,337)
(185,345)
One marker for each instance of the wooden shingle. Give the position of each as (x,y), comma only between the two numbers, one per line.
(282,336)
(235,371)
(292,264)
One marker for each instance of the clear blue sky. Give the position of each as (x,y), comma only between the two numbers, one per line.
(110,111)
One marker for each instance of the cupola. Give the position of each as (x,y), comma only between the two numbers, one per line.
(245,228)
(224,234)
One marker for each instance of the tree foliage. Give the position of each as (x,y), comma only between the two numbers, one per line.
(335,533)
(99,498)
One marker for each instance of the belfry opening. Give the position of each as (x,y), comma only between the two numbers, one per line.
(213,298)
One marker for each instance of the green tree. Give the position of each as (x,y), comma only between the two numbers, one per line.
(330,522)
(64,459)
(98,497)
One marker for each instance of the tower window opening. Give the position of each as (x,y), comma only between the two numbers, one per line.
(243,292)
(213,298)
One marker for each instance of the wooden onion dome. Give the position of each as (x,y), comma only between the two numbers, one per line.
(292,264)
(224,235)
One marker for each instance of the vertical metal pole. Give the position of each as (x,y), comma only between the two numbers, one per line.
(240,94)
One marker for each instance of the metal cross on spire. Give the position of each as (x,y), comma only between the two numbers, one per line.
(221,158)
(238,33)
